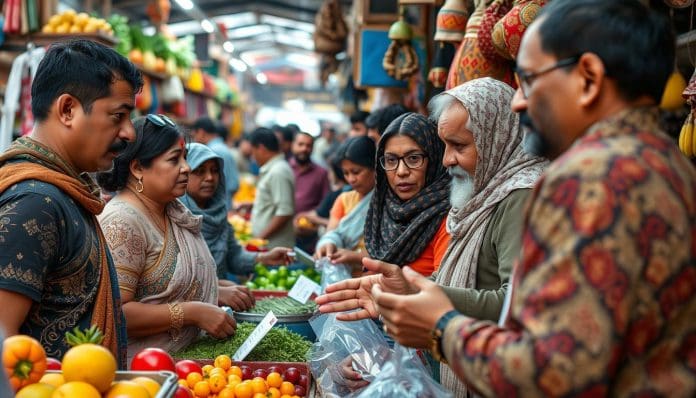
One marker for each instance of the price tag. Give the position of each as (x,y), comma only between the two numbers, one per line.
(303,289)
(256,335)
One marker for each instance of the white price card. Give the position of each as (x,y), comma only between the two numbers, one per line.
(302,289)
(256,335)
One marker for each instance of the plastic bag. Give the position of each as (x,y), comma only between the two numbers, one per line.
(361,340)
(331,273)
(404,375)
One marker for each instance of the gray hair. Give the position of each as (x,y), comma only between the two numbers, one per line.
(441,102)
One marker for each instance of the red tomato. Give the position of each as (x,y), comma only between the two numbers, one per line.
(153,359)
(182,392)
(53,364)
(186,366)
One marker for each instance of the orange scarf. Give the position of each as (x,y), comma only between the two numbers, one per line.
(55,171)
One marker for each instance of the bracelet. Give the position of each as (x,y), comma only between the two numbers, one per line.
(176,320)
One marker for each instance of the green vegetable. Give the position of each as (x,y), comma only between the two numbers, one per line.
(279,345)
(282,306)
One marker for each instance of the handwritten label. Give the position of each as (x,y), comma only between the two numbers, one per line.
(255,337)
(303,289)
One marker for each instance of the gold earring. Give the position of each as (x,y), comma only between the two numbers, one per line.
(139,185)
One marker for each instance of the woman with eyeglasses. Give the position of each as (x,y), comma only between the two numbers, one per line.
(166,274)
(344,242)
(406,220)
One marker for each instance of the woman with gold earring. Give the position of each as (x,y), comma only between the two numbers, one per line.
(166,274)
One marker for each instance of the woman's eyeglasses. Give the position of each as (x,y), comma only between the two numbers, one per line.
(160,120)
(412,161)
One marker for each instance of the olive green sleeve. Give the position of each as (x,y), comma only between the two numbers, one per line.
(500,248)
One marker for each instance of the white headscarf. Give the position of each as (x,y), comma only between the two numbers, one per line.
(501,167)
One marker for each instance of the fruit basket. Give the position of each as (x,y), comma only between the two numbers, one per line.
(249,369)
(167,380)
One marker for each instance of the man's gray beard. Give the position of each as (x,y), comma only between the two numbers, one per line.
(462,187)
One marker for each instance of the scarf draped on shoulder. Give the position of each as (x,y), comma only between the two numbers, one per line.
(45,165)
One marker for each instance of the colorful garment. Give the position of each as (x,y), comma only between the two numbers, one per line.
(431,257)
(602,303)
(52,249)
(398,231)
(176,267)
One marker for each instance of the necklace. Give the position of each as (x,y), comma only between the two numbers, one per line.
(157,221)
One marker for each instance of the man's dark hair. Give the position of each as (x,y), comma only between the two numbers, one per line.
(359,117)
(150,142)
(265,137)
(206,124)
(294,127)
(82,68)
(637,46)
(305,134)
(222,130)
(381,118)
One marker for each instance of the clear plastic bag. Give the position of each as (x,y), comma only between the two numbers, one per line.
(404,375)
(331,273)
(361,341)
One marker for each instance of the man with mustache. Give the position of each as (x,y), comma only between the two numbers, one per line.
(602,301)
(56,272)
(492,178)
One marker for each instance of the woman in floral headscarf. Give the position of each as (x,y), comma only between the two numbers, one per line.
(406,220)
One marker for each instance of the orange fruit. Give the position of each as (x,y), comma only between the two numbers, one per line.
(258,384)
(227,392)
(73,389)
(217,371)
(243,390)
(183,383)
(201,389)
(127,389)
(233,378)
(286,396)
(273,392)
(36,390)
(217,382)
(259,395)
(54,379)
(274,379)
(90,363)
(287,388)
(223,361)
(206,369)
(235,370)
(150,385)
(193,378)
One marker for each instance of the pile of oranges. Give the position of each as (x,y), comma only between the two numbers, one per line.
(225,380)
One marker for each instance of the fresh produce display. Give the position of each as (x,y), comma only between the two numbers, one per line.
(687,136)
(153,359)
(87,370)
(241,226)
(279,278)
(280,345)
(224,379)
(70,21)
(282,306)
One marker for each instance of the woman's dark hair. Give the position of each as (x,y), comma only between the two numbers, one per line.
(83,69)
(359,150)
(150,142)
(635,44)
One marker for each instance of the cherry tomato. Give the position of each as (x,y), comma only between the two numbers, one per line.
(182,392)
(186,366)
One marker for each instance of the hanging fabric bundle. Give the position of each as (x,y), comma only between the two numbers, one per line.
(494,13)
(400,61)
(508,31)
(330,34)
(449,32)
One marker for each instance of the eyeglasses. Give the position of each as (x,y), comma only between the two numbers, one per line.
(525,79)
(160,120)
(412,161)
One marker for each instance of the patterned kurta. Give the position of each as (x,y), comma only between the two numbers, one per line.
(49,253)
(603,300)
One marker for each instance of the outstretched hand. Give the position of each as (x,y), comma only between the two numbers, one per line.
(356,293)
(410,319)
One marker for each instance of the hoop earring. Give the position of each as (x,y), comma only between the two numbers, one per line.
(139,185)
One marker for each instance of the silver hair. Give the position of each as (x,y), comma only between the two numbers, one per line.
(441,102)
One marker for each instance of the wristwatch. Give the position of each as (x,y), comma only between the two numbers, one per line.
(438,333)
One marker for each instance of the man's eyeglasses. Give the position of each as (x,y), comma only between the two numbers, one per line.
(160,120)
(412,161)
(525,79)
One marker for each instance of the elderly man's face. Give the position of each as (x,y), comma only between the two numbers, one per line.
(460,152)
